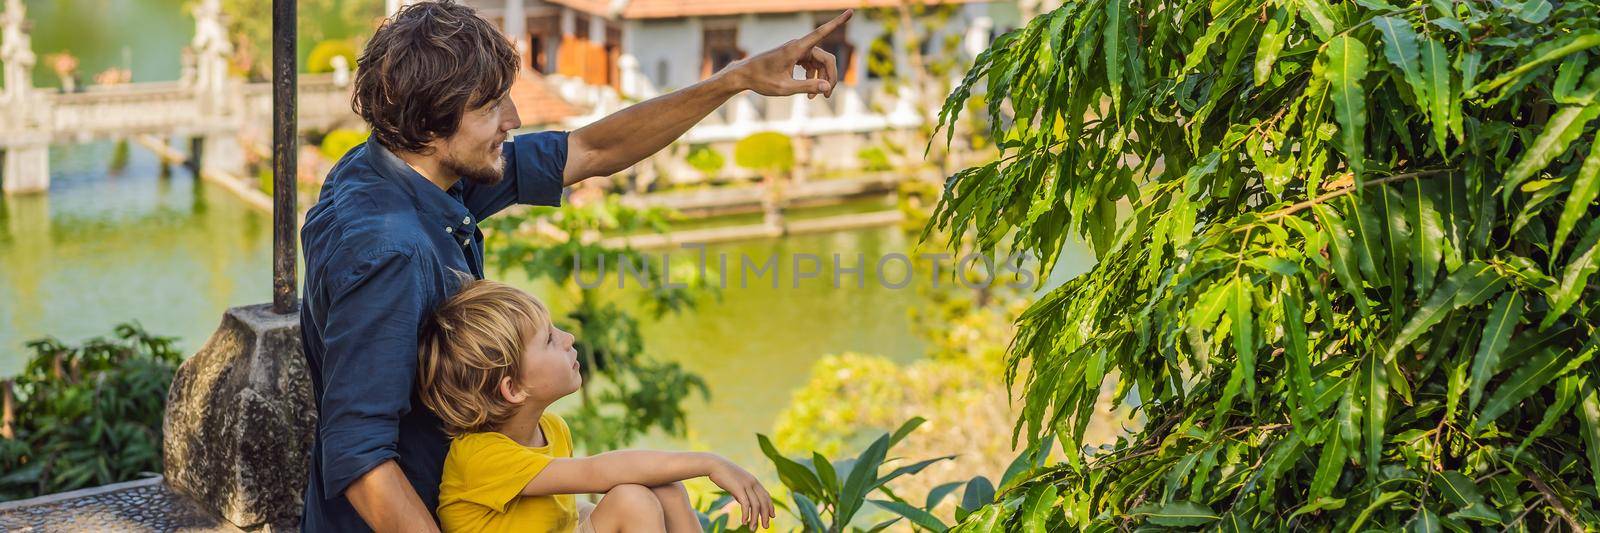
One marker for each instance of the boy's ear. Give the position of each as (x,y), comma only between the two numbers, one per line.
(511,392)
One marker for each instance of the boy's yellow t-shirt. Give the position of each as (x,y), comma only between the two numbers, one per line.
(484,475)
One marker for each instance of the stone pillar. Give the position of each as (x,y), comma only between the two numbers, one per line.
(220,152)
(516,26)
(744,112)
(26,169)
(976,39)
(16,53)
(390,7)
(240,420)
(852,107)
(634,81)
(904,114)
(211,51)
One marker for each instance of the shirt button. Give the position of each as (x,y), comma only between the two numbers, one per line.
(465,242)
(448,229)
(467,220)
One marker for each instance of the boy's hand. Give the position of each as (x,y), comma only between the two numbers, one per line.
(755,505)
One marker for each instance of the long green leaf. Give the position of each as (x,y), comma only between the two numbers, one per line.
(1588,413)
(1566,396)
(1496,335)
(1037,507)
(1330,465)
(1575,277)
(1113,49)
(1527,380)
(1345,65)
(1564,126)
(793,474)
(1585,187)
(1443,102)
(1470,285)
(1374,374)
(1178,514)
(1272,40)
(807,511)
(917,516)
(861,478)
(1400,48)
(1569,45)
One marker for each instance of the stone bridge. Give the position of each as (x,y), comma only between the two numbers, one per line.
(208,107)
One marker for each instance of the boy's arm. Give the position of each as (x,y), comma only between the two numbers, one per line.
(600,473)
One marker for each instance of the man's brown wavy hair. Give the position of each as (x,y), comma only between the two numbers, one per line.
(425,67)
(470,343)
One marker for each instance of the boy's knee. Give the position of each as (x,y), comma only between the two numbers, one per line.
(672,490)
(635,498)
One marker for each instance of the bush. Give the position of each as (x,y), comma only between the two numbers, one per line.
(338,142)
(1348,280)
(86,415)
(767,151)
(706,159)
(321,59)
(874,159)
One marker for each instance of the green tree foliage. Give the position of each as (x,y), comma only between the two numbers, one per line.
(1344,259)
(337,142)
(636,392)
(321,58)
(85,415)
(706,159)
(767,152)
(250,22)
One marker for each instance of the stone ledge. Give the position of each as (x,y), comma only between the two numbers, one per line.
(140,505)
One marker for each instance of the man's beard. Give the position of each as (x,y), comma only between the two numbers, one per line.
(479,174)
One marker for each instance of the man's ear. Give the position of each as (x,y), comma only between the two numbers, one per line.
(511,392)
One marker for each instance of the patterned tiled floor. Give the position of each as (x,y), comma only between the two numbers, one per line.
(145,505)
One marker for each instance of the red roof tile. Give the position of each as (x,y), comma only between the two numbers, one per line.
(537,102)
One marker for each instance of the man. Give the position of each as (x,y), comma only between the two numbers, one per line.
(399,212)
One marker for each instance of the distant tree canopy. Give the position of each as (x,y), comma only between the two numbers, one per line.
(250,22)
(766,151)
(1345,253)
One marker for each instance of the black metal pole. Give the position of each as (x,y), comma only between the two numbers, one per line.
(284,150)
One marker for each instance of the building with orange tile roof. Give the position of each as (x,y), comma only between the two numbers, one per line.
(585,59)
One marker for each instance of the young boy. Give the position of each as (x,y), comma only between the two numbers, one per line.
(491,363)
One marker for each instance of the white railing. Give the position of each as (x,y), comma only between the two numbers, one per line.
(165,107)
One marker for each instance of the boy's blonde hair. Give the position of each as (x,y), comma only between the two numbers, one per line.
(474,339)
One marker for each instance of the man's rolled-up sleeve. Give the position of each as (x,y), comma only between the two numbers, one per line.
(535,163)
(371,366)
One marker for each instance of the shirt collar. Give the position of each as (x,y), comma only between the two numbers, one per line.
(444,208)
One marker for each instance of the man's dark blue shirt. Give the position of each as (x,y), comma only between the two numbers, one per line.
(380,245)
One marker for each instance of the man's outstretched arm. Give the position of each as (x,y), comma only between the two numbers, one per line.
(621,139)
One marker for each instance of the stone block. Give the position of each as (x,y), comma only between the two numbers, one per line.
(240,419)
(25,169)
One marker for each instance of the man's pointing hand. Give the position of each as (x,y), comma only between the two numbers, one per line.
(771,73)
